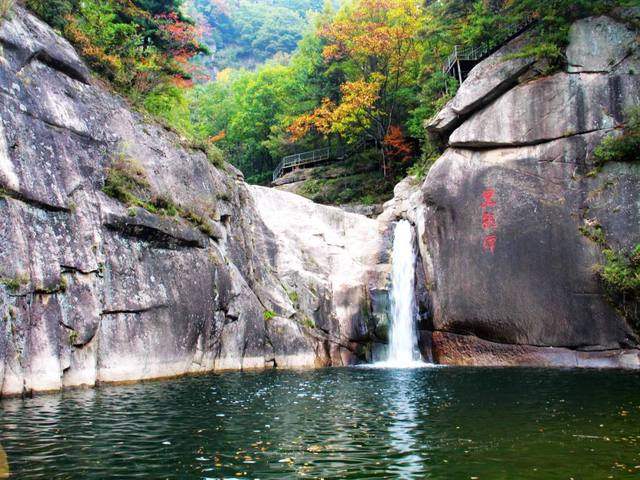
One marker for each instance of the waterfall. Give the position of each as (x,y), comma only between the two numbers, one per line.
(403,346)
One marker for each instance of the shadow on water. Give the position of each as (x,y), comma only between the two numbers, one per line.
(440,423)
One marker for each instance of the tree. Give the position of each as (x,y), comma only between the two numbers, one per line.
(373,44)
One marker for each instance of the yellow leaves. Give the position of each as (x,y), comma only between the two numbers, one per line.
(332,52)
(352,114)
(380,28)
(224,76)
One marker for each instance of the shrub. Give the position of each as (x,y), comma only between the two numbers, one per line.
(215,155)
(14,284)
(308,322)
(620,276)
(268,315)
(625,148)
(169,104)
(595,233)
(5,8)
(127,182)
(52,11)
(293,296)
(164,205)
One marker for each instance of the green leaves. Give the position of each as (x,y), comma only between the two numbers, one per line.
(624,148)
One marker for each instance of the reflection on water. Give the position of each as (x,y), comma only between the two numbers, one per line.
(444,423)
(404,427)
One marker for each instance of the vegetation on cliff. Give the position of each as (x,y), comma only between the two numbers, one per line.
(625,148)
(367,74)
(620,276)
(620,271)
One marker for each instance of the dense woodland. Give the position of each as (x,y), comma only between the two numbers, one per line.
(246,33)
(364,75)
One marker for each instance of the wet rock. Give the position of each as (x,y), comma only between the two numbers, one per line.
(329,261)
(451,349)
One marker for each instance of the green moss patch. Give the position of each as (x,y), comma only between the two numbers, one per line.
(127,182)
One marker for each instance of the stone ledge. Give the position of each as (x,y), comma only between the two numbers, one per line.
(468,350)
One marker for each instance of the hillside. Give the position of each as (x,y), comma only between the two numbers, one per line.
(245,34)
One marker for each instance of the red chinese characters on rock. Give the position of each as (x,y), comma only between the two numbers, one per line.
(489,223)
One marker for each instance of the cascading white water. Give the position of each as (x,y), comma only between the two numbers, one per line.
(403,347)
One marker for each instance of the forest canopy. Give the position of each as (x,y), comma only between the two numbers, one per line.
(362,76)
(246,33)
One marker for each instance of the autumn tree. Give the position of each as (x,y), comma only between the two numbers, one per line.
(373,44)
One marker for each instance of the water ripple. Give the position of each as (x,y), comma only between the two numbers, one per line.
(444,423)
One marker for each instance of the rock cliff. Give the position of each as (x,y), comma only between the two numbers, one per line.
(503,212)
(194,275)
(126,255)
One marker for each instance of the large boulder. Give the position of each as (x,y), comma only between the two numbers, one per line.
(486,81)
(550,108)
(92,290)
(505,214)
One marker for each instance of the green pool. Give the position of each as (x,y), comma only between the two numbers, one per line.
(437,423)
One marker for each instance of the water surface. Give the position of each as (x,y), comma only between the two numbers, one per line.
(439,423)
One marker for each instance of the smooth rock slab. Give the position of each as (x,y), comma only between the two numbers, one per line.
(550,108)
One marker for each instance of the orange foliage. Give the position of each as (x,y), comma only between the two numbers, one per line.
(219,136)
(396,145)
(381,29)
(352,114)
(376,41)
(96,56)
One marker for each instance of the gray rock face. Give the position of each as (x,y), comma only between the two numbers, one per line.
(92,291)
(599,44)
(550,108)
(487,81)
(510,275)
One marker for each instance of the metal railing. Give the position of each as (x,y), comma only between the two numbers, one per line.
(335,153)
(482,51)
(301,159)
